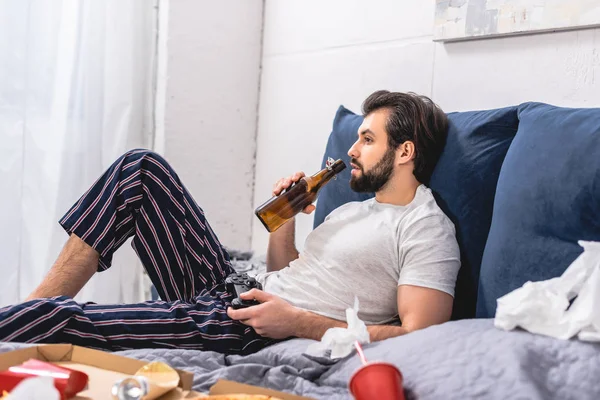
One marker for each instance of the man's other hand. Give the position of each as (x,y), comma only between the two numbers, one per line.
(274,317)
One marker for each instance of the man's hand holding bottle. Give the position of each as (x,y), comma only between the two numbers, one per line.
(285,183)
(295,194)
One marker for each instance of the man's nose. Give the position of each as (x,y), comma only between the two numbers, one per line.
(353,153)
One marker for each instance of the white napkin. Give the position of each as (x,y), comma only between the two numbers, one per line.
(39,387)
(341,340)
(543,307)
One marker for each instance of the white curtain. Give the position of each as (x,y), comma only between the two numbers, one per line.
(76,91)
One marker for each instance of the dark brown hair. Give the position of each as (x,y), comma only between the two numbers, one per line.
(416,118)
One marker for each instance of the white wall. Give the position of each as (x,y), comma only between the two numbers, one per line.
(207,99)
(316,56)
(557,68)
(319,54)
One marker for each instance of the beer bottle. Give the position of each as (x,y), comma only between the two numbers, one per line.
(280,209)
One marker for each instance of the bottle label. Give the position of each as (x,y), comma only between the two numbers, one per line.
(329,165)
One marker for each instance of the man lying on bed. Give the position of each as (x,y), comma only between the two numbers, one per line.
(397,252)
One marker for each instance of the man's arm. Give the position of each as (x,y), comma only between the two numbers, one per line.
(282,247)
(418,308)
(314,326)
(282,243)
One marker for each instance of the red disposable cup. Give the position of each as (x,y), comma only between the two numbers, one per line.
(377,380)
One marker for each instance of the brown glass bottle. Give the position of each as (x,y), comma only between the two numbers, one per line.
(280,209)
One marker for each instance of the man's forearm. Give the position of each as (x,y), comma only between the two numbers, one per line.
(282,247)
(313,326)
(382,332)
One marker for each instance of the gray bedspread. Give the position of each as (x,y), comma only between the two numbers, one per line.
(458,360)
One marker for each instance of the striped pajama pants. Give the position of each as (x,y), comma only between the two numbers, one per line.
(141,196)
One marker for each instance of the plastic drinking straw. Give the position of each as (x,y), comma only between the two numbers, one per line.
(361,354)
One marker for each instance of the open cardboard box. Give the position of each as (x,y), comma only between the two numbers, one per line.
(229,387)
(104,369)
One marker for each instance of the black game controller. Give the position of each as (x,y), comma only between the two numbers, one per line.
(238,284)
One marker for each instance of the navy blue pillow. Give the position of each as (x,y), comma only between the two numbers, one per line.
(464,184)
(547,198)
(338,192)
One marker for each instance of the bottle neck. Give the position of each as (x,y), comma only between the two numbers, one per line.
(316,181)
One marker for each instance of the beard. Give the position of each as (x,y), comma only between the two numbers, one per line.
(375,178)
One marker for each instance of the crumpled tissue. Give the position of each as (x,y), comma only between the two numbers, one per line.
(543,307)
(341,340)
(39,387)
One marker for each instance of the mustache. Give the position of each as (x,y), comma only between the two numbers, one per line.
(355,161)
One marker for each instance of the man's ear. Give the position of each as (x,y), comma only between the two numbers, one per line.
(405,152)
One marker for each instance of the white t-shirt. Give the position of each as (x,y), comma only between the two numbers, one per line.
(366,249)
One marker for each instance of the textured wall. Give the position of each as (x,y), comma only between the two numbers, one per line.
(559,68)
(318,55)
(315,61)
(210,95)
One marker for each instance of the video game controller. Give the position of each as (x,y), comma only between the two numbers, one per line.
(238,284)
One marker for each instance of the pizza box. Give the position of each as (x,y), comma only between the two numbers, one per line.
(103,368)
(223,387)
